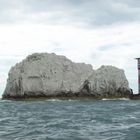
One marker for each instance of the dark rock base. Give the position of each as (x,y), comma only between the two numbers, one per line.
(64,96)
(135,96)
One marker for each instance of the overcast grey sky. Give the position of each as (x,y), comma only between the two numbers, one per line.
(87,13)
(100,32)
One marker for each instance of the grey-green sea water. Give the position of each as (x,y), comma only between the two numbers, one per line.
(70,120)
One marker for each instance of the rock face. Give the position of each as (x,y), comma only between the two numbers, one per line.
(50,75)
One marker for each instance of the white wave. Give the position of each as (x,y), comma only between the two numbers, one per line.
(53,100)
(107,99)
(56,100)
(5,100)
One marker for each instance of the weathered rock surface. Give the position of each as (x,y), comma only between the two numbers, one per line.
(50,75)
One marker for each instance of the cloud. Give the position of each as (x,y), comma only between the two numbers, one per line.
(85,13)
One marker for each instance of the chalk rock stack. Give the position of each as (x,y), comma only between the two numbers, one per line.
(50,75)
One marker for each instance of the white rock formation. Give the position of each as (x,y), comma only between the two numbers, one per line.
(52,75)
(108,80)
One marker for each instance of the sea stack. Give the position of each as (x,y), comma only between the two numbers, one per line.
(53,76)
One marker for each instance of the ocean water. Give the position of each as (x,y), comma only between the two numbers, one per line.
(70,120)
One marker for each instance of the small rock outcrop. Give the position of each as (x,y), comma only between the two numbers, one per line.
(50,75)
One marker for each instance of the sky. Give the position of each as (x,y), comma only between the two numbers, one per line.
(97,32)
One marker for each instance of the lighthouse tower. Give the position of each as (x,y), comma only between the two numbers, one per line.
(138,59)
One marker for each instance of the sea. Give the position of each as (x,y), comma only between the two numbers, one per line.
(70,120)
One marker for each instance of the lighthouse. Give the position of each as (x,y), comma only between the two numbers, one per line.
(138,61)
